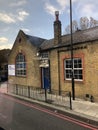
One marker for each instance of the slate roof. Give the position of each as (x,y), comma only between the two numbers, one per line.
(36,41)
(79,37)
(82,36)
(47,44)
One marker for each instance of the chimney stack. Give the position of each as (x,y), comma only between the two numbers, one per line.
(57,29)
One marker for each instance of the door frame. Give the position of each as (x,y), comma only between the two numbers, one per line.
(45,78)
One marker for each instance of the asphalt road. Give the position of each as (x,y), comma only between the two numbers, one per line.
(17,114)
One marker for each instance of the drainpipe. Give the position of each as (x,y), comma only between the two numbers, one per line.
(59,85)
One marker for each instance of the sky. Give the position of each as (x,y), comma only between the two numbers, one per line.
(36,17)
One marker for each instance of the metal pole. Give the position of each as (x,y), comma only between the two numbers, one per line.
(70,101)
(28,91)
(45,95)
(73,90)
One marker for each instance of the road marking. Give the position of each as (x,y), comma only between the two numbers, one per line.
(61,116)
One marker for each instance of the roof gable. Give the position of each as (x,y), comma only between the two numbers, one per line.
(36,41)
(22,37)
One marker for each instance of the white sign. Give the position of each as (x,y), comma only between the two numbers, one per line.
(11,70)
(44,63)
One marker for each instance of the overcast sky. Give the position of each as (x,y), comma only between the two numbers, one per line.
(36,17)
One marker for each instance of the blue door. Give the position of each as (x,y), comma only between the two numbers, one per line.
(45,78)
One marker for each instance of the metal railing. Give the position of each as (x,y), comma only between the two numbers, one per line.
(52,97)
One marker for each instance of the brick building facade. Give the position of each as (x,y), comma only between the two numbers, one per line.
(24,61)
(45,63)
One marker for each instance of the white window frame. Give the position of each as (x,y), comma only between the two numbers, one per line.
(20,65)
(78,76)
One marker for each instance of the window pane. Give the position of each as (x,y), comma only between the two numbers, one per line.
(78,74)
(77,63)
(68,63)
(68,73)
(20,65)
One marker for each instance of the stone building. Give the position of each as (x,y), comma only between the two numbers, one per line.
(23,66)
(42,63)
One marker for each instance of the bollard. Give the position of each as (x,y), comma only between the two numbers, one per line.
(92,98)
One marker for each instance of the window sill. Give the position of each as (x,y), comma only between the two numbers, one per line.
(75,80)
(21,76)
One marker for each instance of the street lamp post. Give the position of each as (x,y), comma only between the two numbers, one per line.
(71,46)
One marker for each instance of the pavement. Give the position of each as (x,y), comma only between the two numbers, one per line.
(86,110)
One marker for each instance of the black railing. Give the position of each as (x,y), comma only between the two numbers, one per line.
(37,93)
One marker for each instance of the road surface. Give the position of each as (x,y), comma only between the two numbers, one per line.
(17,114)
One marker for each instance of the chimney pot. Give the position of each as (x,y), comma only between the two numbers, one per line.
(57,15)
